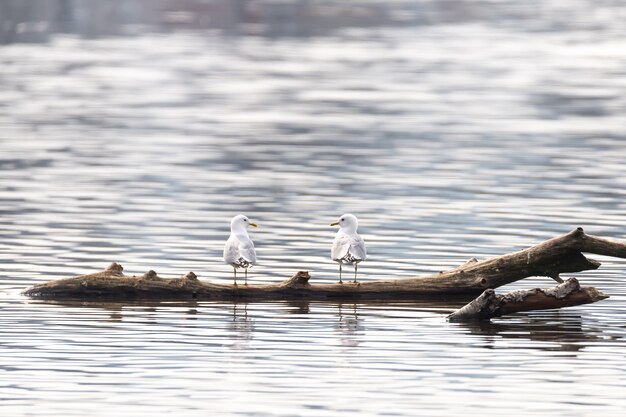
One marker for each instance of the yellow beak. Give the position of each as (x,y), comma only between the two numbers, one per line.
(253,225)
(334,224)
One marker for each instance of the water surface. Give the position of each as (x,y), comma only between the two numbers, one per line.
(467,130)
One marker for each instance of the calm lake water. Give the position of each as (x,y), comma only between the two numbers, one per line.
(452,129)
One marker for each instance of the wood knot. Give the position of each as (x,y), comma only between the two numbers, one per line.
(301,277)
(486,297)
(115,268)
(191,276)
(150,275)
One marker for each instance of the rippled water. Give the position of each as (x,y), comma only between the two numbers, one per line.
(449,139)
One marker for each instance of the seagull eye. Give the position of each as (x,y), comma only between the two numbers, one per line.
(245,220)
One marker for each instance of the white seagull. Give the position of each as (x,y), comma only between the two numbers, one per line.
(348,246)
(239,249)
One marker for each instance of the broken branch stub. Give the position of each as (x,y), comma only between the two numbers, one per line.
(488,304)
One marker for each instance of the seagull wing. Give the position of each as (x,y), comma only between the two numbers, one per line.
(357,247)
(246,250)
(341,246)
(231,250)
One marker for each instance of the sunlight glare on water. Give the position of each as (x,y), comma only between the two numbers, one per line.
(456,130)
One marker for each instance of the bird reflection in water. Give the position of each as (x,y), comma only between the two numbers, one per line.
(240,326)
(349,324)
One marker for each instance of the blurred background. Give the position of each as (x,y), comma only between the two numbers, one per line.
(38,20)
(133,130)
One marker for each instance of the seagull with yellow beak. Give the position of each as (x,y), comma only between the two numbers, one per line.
(239,250)
(348,246)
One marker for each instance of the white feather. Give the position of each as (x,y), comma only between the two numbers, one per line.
(348,246)
(239,249)
(246,250)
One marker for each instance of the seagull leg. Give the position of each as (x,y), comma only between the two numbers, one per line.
(235,271)
(356,266)
(246,283)
(340,281)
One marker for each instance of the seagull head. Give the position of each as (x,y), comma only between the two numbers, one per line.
(240,222)
(347,222)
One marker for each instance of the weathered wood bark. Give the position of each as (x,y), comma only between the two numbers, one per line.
(488,304)
(550,258)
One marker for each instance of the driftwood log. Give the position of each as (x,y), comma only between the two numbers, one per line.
(489,305)
(563,254)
